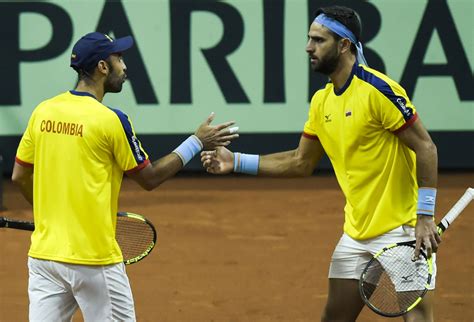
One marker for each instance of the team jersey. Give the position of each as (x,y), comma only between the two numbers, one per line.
(376,171)
(80,149)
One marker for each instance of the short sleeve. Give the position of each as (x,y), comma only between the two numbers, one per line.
(393,108)
(127,149)
(310,126)
(25,154)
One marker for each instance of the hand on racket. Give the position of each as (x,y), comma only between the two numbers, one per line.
(219,161)
(427,236)
(392,283)
(135,234)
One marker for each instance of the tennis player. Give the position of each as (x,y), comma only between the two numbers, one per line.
(69,166)
(384,159)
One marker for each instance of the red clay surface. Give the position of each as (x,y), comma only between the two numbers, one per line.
(241,249)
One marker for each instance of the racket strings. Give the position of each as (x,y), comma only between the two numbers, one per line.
(393,282)
(134,236)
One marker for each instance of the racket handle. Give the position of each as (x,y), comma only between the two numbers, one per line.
(456,210)
(17,224)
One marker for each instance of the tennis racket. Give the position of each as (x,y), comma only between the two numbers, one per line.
(135,234)
(391,283)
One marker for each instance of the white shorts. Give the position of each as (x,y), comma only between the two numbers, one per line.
(351,256)
(56,290)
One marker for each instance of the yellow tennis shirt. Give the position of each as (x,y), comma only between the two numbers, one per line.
(376,171)
(80,149)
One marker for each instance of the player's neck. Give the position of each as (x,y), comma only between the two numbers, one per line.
(97,91)
(343,71)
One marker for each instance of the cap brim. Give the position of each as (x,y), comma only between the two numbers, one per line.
(122,44)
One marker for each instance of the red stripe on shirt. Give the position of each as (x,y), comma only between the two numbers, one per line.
(23,163)
(407,124)
(138,167)
(310,136)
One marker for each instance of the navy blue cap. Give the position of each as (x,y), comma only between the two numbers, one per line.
(95,46)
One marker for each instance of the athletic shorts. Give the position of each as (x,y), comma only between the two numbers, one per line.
(351,256)
(56,290)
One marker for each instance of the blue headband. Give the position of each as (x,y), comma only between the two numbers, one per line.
(341,30)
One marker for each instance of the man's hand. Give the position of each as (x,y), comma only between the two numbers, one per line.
(219,161)
(427,235)
(214,136)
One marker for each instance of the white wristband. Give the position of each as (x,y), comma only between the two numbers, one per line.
(246,163)
(188,149)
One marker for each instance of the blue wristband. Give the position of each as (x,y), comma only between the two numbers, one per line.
(188,149)
(246,163)
(426,201)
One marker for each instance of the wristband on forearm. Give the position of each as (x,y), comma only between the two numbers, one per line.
(426,201)
(188,149)
(246,163)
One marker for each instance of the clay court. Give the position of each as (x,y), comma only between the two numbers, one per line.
(240,249)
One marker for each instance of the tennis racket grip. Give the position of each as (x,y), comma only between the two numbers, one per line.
(16,224)
(456,210)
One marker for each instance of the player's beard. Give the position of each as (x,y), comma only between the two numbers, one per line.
(114,81)
(328,64)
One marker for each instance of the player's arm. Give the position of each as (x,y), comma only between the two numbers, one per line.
(23,167)
(417,139)
(295,163)
(23,177)
(157,172)
(206,136)
(300,162)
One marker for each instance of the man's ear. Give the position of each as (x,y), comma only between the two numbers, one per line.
(345,45)
(103,67)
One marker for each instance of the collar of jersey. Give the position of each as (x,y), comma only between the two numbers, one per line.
(73,92)
(348,82)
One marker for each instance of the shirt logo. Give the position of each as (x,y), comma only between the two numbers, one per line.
(407,279)
(327,118)
(348,113)
(406,111)
(137,148)
(402,104)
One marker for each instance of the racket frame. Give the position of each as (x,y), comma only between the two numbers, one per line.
(150,247)
(30,226)
(447,220)
(429,262)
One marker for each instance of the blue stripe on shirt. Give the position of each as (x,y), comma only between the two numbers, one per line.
(77,93)
(383,87)
(137,152)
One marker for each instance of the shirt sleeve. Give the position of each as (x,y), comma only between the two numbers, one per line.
(310,127)
(393,108)
(25,154)
(127,149)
